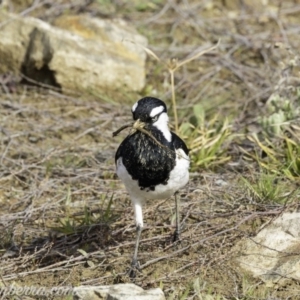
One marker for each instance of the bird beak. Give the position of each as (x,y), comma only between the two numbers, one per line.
(138,124)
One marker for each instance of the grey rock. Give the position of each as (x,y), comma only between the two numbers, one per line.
(84,54)
(273,254)
(127,291)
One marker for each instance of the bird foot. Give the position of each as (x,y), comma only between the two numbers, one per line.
(134,269)
(176,236)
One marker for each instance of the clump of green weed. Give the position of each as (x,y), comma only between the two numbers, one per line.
(76,223)
(268,188)
(280,139)
(292,158)
(206,138)
(281,157)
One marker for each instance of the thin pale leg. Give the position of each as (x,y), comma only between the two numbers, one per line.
(139,227)
(176,236)
(135,263)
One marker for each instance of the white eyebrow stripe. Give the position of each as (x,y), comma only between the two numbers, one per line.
(134,106)
(155,111)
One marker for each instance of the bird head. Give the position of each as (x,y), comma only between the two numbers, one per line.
(148,112)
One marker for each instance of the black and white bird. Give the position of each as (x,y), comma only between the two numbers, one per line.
(153,165)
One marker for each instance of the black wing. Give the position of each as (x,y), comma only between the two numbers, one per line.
(179,143)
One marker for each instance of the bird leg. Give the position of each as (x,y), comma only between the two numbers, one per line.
(176,236)
(139,227)
(134,263)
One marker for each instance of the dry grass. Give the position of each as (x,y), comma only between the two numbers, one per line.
(65,217)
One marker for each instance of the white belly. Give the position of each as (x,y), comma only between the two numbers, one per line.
(179,177)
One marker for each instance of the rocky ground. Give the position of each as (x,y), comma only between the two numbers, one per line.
(66,219)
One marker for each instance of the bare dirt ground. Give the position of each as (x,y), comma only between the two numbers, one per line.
(66,220)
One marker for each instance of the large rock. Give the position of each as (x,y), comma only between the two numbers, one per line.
(127,291)
(16,6)
(88,54)
(273,255)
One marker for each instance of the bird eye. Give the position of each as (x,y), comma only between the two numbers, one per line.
(154,119)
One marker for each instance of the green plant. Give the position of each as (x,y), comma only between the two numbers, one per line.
(107,215)
(292,158)
(268,188)
(282,157)
(253,289)
(78,223)
(205,138)
(281,111)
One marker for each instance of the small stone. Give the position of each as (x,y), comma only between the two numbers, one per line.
(221,182)
(127,291)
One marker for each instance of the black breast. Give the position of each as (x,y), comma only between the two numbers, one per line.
(146,161)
